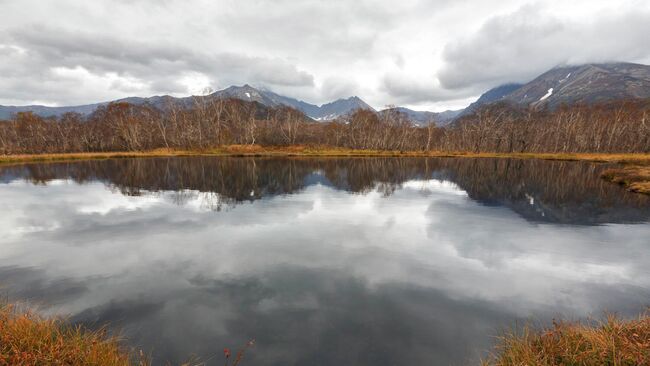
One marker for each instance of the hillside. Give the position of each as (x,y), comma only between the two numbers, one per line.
(491,96)
(423,118)
(588,84)
(267,98)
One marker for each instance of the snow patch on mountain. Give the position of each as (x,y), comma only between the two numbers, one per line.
(548,94)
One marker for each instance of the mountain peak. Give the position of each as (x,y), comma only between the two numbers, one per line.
(570,84)
(588,83)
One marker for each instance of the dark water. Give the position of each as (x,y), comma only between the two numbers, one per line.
(323,262)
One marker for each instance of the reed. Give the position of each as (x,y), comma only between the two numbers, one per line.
(613,341)
(29,339)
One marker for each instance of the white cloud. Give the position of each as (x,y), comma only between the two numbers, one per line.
(431,54)
(415,236)
(518,46)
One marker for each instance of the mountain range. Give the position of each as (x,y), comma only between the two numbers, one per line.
(267,98)
(590,83)
(587,83)
(422,118)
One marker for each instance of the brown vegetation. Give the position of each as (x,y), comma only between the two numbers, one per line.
(621,127)
(28,339)
(634,178)
(611,342)
(321,151)
(618,131)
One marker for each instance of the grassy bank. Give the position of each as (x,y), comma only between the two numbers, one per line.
(611,342)
(28,339)
(324,151)
(635,178)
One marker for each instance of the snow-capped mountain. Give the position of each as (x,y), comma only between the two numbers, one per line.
(341,107)
(246,92)
(325,112)
(423,118)
(590,83)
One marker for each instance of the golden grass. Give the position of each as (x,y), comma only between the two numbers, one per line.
(324,151)
(611,342)
(26,158)
(635,178)
(28,339)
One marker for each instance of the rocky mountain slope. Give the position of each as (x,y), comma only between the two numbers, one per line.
(585,84)
(590,83)
(491,96)
(325,112)
(423,118)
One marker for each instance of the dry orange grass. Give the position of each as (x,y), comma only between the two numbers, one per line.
(634,178)
(28,339)
(307,150)
(613,342)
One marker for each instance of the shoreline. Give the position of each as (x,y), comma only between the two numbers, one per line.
(29,338)
(632,175)
(306,151)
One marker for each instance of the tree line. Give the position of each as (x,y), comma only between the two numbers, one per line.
(622,126)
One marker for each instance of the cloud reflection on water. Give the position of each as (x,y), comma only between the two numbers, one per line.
(323,275)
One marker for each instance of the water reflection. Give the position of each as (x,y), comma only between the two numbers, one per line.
(545,191)
(325,262)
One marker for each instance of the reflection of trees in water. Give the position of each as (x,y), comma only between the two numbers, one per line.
(556,191)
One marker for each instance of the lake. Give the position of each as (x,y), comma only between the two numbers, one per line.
(366,261)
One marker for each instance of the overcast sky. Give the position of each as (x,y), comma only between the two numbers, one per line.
(434,54)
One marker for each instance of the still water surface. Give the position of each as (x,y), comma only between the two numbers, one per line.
(322,261)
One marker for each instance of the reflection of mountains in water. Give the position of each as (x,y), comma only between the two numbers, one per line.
(542,191)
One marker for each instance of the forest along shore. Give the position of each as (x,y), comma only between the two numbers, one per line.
(616,132)
(614,127)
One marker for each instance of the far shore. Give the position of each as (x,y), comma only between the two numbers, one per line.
(635,164)
(322,151)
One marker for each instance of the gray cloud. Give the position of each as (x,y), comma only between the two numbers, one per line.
(523,44)
(335,87)
(43,60)
(424,53)
(406,89)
